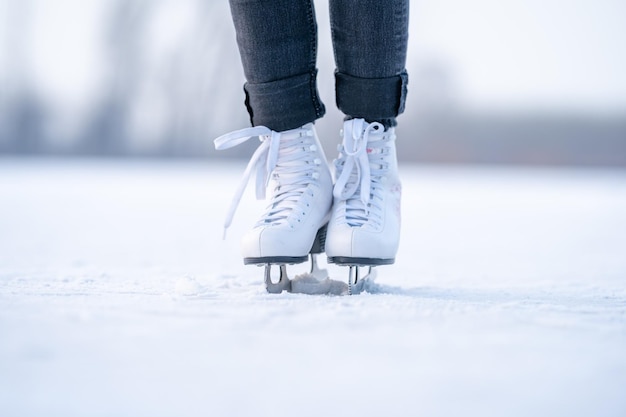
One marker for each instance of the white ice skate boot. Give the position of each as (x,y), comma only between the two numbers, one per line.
(292,169)
(364,229)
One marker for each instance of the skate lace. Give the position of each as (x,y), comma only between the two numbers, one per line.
(361,171)
(288,158)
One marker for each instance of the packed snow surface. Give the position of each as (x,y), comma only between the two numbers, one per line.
(118,297)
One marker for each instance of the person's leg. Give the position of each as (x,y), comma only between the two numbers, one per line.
(277,42)
(370,43)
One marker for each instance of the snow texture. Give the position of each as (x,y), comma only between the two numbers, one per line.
(118,297)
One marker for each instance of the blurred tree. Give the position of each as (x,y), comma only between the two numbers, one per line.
(108,133)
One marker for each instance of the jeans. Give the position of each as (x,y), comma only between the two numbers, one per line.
(277,41)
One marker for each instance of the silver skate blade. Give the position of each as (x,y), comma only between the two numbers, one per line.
(317,281)
(316,271)
(283,284)
(357,281)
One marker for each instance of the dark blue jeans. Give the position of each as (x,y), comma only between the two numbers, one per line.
(277,41)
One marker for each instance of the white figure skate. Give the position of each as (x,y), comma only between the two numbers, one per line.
(290,167)
(364,229)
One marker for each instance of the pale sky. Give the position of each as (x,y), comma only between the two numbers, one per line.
(528,52)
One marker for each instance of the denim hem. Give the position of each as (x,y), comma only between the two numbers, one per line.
(372,99)
(284,104)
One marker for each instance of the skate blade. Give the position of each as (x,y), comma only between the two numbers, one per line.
(283,283)
(312,285)
(317,281)
(357,283)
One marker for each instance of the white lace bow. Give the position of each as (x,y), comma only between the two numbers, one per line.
(362,167)
(293,172)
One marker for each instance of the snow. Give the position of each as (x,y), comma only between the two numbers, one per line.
(118,297)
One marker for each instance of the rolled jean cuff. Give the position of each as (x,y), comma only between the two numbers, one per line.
(372,99)
(284,104)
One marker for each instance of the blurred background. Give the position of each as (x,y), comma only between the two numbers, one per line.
(516,81)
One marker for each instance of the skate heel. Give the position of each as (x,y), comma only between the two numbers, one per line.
(319,244)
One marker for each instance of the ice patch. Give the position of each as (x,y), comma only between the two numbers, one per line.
(187,286)
(313,285)
(309,284)
(508,296)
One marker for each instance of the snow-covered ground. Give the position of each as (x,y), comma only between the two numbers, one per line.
(118,297)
